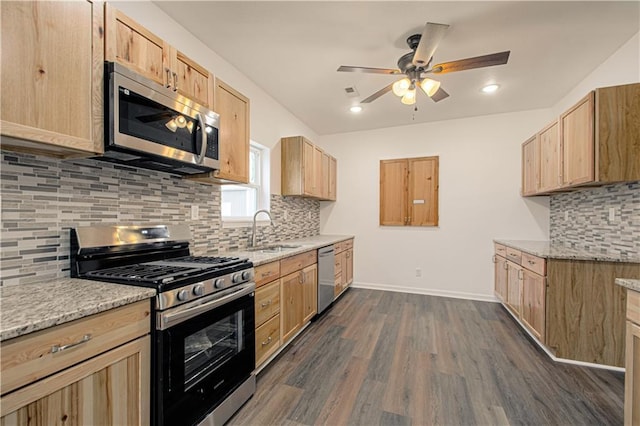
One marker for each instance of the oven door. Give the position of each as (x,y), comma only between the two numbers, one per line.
(204,351)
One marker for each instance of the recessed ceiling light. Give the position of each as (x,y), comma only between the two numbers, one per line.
(355,108)
(490,88)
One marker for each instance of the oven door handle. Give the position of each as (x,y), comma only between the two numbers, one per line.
(183,313)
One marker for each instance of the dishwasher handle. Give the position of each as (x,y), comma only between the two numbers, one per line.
(325,251)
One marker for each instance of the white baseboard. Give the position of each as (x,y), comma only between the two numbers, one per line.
(427,291)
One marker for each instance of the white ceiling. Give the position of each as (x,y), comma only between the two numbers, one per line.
(292,50)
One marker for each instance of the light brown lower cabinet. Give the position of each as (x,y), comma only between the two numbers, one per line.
(632,362)
(514,288)
(500,271)
(299,292)
(267,310)
(343,252)
(89,371)
(533,302)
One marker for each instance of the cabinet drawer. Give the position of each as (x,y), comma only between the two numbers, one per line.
(29,358)
(267,273)
(633,306)
(534,263)
(297,262)
(514,255)
(339,247)
(348,244)
(267,339)
(501,250)
(267,302)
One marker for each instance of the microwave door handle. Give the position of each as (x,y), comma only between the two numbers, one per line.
(203,148)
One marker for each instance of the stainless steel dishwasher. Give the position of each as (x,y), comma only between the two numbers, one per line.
(326,277)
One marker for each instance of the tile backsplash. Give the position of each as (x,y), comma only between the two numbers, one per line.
(42,198)
(588,225)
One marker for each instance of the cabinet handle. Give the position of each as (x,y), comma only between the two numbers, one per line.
(506,265)
(168,71)
(264,305)
(300,278)
(175,81)
(531,262)
(58,348)
(266,342)
(520,274)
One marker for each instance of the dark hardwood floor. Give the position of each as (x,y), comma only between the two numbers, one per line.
(383,358)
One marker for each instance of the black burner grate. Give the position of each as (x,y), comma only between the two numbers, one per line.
(154,274)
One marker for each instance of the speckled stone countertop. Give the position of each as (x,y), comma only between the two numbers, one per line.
(558,251)
(306,244)
(26,308)
(629,283)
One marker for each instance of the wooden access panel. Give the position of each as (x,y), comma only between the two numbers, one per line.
(586,310)
(393,192)
(576,128)
(423,191)
(550,162)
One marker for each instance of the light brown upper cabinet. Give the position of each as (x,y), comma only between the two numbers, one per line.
(530,166)
(132,45)
(52,73)
(409,192)
(306,170)
(595,142)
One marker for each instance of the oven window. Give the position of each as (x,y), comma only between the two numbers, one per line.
(210,347)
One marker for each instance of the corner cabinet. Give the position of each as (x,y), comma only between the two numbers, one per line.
(595,142)
(52,74)
(132,45)
(89,371)
(307,170)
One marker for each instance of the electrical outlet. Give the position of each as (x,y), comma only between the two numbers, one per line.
(566,215)
(194,213)
(418,272)
(612,214)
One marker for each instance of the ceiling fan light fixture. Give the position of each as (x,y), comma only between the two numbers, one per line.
(409,98)
(430,87)
(400,87)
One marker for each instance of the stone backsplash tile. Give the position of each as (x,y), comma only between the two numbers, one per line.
(588,226)
(43,198)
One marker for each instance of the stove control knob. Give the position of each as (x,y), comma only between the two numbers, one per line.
(219,283)
(236,278)
(183,295)
(246,275)
(198,290)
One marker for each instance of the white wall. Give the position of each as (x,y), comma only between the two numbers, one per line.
(479,201)
(269,120)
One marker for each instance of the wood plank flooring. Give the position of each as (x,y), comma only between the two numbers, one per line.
(384,358)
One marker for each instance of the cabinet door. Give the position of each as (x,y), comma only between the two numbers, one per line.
(325,177)
(393,192)
(576,126)
(112,388)
(233,108)
(423,191)
(132,45)
(308,170)
(52,69)
(632,376)
(333,170)
(550,170)
(500,270)
(291,305)
(530,166)
(193,80)
(309,292)
(348,266)
(514,287)
(533,302)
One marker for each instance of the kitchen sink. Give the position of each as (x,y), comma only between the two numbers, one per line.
(273,248)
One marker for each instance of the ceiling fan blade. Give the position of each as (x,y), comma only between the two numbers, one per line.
(439,95)
(377,94)
(431,36)
(391,71)
(471,63)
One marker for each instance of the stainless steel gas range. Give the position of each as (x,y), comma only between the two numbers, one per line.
(203,350)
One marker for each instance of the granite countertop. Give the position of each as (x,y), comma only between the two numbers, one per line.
(629,283)
(550,250)
(306,244)
(26,308)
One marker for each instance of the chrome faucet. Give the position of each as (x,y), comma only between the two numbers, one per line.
(253,230)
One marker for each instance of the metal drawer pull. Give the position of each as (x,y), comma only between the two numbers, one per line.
(265,343)
(264,305)
(531,262)
(58,348)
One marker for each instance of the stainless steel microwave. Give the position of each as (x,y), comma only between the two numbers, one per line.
(150,126)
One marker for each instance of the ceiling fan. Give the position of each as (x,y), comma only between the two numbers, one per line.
(415,65)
